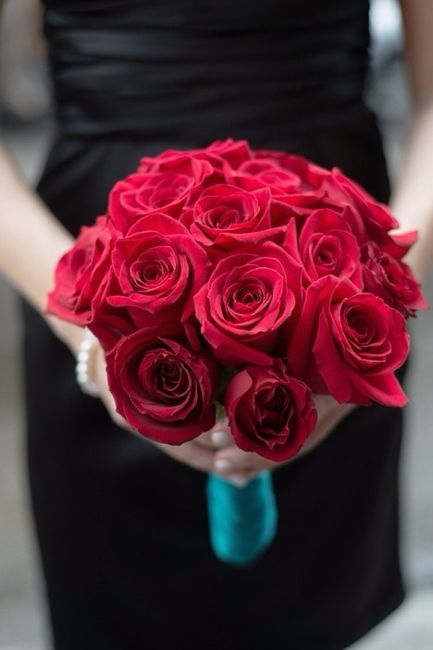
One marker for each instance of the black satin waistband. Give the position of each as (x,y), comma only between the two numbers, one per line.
(207,76)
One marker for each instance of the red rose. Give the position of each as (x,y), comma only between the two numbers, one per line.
(270,412)
(81,274)
(159,267)
(270,173)
(295,181)
(250,295)
(296,165)
(226,216)
(162,389)
(233,152)
(179,179)
(327,247)
(193,164)
(392,280)
(348,344)
(369,219)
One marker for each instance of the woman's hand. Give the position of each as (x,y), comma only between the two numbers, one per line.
(241,466)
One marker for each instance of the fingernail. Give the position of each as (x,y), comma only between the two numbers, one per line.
(223,464)
(220,438)
(237,479)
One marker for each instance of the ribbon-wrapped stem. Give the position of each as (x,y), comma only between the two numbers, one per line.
(242,520)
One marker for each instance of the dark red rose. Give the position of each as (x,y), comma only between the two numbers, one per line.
(270,412)
(159,267)
(162,389)
(226,216)
(327,247)
(349,344)
(249,297)
(392,280)
(81,274)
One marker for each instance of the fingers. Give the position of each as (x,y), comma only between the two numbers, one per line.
(218,437)
(192,454)
(240,466)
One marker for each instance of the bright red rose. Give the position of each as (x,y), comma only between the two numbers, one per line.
(392,280)
(177,183)
(249,297)
(320,188)
(296,165)
(159,267)
(81,274)
(226,216)
(349,344)
(194,164)
(270,173)
(270,412)
(369,219)
(327,247)
(233,152)
(163,389)
(294,182)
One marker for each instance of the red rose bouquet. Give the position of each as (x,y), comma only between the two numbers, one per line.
(252,278)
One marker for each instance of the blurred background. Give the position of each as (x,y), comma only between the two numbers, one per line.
(26,126)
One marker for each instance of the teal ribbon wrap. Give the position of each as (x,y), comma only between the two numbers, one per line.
(242,520)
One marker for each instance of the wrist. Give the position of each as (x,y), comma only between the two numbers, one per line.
(71,335)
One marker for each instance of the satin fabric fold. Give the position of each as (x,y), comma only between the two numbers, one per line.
(291,67)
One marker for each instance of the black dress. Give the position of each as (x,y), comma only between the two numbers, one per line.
(122,528)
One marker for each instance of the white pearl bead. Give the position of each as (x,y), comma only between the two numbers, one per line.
(83,355)
(81,367)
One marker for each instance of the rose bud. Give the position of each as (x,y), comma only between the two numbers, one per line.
(270,412)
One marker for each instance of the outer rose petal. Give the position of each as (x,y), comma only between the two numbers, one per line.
(234,152)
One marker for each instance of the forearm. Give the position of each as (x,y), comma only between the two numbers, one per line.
(412,200)
(31,241)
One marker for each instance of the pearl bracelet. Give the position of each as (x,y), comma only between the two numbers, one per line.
(87,346)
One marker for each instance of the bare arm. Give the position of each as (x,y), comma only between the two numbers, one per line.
(31,241)
(413,197)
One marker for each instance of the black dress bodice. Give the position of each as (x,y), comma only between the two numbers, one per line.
(204,69)
(122,528)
